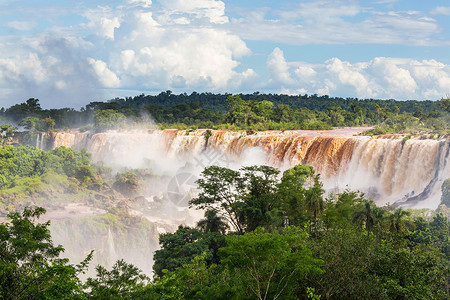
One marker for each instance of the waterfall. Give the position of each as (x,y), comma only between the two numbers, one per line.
(387,168)
(112,255)
(40,140)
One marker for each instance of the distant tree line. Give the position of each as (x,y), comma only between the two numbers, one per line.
(243,111)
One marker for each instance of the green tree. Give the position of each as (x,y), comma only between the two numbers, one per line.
(269,266)
(30,123)
(315,203)
(182,246)
(246,198)
(433,234)
(396,110)
(124,281)
(336,115)
(195,280)
(367,215)
(48,124)
(282,113)
(218,191)
(346,254)
(127,184)
(257,185)
(240,112)
(108,118)
(340,209)
(264,109)
(292,193)
(378,109)
(404,273)
(30,267)
(212,223)
(445,104)
(397,222)
(31,108)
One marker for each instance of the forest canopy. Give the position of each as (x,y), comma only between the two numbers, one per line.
(243,111)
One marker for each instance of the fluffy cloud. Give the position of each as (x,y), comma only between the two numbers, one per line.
(278,68)
(102,22)
(48,68)
(381,77)
(107,77)
(349,75)
(135,46)
(150,54)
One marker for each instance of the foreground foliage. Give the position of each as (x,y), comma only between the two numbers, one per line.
(287,242)
(30,267)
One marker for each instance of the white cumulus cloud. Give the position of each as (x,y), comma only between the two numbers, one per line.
(178,45)
(106,76)
(381,77)
(278,68)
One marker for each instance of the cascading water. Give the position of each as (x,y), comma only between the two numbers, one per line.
(387,168)
(111,247)
(407,173)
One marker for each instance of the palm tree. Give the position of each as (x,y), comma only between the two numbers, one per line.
(314,200)
(367,215)
(380,215)
(212,223)
(397,222)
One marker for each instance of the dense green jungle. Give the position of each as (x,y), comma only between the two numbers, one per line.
(264,234)
(237,112)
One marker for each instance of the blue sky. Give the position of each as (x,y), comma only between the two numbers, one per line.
(68,53)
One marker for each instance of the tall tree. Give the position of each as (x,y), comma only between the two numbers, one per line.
(124,281)
(365,215)
(218,191)
(246,198)
(292,193)
(314,200)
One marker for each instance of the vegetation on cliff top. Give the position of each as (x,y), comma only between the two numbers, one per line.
(253,111)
